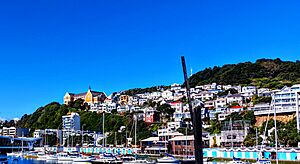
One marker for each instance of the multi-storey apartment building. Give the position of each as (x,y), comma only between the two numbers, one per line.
(285,101)
(71,124)
(9,131)
(15,132)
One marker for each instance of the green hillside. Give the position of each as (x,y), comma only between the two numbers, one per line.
(50,117)
(263,73)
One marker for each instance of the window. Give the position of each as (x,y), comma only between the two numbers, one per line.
(177,143)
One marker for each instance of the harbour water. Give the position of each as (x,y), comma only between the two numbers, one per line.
(35,161)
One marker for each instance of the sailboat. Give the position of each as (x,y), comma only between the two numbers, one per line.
(235,160)
(135,160)
(267,161)
(168,159)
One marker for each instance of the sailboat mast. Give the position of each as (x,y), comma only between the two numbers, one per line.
(135,132)
(22,140)
(275,125)
(186,142)
(231,134)
(256,137)
(103,117)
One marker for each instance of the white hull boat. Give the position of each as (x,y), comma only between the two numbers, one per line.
(168,160)
(141,161)
(51,158)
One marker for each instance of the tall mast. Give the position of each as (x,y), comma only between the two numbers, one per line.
(22,140)
(231,133)
(196,118)
(135,120)
(256,137)
(103,118)
(186,142)
(275,134)
(297,111)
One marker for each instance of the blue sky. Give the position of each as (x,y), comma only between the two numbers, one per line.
(49,47)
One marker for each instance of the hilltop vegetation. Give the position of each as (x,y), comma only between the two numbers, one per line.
(134,91)
(263,73)
(50,117)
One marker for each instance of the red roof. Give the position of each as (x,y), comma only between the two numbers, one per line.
(236,107)
(176,102)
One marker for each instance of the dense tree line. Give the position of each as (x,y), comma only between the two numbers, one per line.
(135,91)
(263,73)
(50,117)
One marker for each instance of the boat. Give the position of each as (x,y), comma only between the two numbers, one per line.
(82,159)
(51,158)
(263,161)
(106,158)
(168,159)
(31,155)
(64,157)
(238,161)
(3,158)
(41,156)
(138,161)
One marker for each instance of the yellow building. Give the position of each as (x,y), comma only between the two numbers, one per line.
(90,97)
(124,99)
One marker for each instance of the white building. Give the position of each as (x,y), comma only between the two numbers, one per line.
(249,91)
(220,102)
(167,95)
(234,98)
(209,104)
(205,95)
(38,133)
(175,87)
(71,121)
(155,95)
(11,131)
(261,109)
(285,100)
(178,106)
(173,126)
(71,124)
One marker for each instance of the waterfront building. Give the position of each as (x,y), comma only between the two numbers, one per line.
(38,133)
(233,133)
(9,131)
(153,145)
(89,97)
(184,145)
(15,132)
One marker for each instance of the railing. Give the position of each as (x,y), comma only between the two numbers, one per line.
(278,110)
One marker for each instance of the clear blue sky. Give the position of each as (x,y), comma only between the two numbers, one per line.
(49,47)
